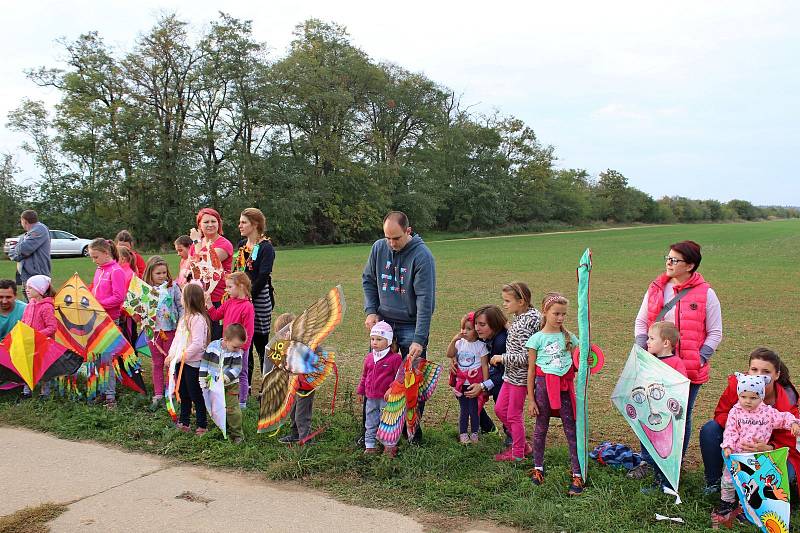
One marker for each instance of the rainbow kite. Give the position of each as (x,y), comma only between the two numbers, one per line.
(29,354)
(416,384)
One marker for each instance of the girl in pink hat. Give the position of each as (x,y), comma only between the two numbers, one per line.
(39,315)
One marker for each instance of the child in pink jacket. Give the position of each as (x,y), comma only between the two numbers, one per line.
(750,420)
(40,315)
(380,368)
(237,309)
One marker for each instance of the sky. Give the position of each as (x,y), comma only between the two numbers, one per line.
(696,99)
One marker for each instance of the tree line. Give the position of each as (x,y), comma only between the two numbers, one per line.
(323,139)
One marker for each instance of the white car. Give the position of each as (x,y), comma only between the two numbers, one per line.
(62,244)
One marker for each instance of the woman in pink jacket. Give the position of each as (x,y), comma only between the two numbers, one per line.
(681,295)
(40,315)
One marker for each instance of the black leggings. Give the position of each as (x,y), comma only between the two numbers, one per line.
(191,393)
(258,345)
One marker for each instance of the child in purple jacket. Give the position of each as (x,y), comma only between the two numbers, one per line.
(380,367)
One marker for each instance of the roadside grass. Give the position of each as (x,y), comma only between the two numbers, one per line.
(752,267)
(31,519)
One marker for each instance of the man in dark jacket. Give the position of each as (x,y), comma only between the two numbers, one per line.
(399,283)
(32,252)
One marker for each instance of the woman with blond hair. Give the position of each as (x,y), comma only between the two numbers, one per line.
(255,256)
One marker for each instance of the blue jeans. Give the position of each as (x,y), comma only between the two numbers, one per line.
(693,391)
(373,407)
(710,449)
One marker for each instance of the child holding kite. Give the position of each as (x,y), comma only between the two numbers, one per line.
(237,309)
(223,360)
(510,403)
(40,315)
(551,386)
(195,328)
(380,367)
(109,288)
(168,314)
(750,420)
(300,413)
(472,366)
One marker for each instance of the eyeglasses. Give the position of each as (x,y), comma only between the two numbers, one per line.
(673,260)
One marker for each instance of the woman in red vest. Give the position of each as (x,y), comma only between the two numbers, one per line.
(681,295)
(780,393)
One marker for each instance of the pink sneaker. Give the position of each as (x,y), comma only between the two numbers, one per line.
(182,427)
(507,456)
(463,438)
(201,431)
(473,438)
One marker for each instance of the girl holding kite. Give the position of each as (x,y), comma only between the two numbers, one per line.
(551,386)
(40,315)
(511,401)
(109,288)
(168,314)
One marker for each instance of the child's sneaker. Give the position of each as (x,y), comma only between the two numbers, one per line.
(576,487)
(370,451)
(507,455)
(473,438)
(110,403)
(288,439)
(724,515)
(200,431)
(391,451)
(463,438)
(242,405)
(183,427)
(237,440)
(537,476)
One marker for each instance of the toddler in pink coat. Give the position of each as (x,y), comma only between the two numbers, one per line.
(750,420)
(40,315)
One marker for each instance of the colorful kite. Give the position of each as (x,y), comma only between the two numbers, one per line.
(178,347)
(28,353)
(584,344)
(299,359)
(652,397)
(85,328)
(206,266)
(762,484)
(141,303)
(419,380)
(214,397)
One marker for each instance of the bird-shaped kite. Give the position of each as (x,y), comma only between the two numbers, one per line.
(34,357)
(85,328)
(300,363)
(416,381)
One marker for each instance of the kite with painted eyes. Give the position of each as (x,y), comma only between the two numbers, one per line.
(652,398)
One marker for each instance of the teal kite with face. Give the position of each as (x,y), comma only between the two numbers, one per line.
(652,397)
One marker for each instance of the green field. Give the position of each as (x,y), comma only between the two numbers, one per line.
(752,267)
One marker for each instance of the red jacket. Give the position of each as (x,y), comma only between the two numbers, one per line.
(690,319)
(780,437)
(40,315)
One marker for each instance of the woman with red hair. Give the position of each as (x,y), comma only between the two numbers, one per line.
(680,295)
(208,233)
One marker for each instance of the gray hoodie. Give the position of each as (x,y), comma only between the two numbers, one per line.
(401,286)
(33,251)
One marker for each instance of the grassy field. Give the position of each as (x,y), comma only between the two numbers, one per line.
(753,268)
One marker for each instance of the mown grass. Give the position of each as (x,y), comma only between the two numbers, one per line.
(32,519)
(753,268)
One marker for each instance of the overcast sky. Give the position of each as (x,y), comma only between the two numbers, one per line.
(698,99)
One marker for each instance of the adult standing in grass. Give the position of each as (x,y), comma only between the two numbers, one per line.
(209,233)
(11,309)
(399,282)
(782,397)
(680,295)
(490,324)
(255,256)
(32,252)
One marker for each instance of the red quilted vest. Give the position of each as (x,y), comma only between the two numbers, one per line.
(690,318)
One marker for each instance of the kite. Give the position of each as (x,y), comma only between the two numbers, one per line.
(652,397)
(178,346)
(141,303)
(415,383)
(85,328)
(214,398)
(141,347)
(584,345)
(762,484)
(29,354)
(206,266)
(299,360)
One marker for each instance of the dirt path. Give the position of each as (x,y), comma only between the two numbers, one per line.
(106,489)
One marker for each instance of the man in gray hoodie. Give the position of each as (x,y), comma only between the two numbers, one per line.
(399,282)
(32,252)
